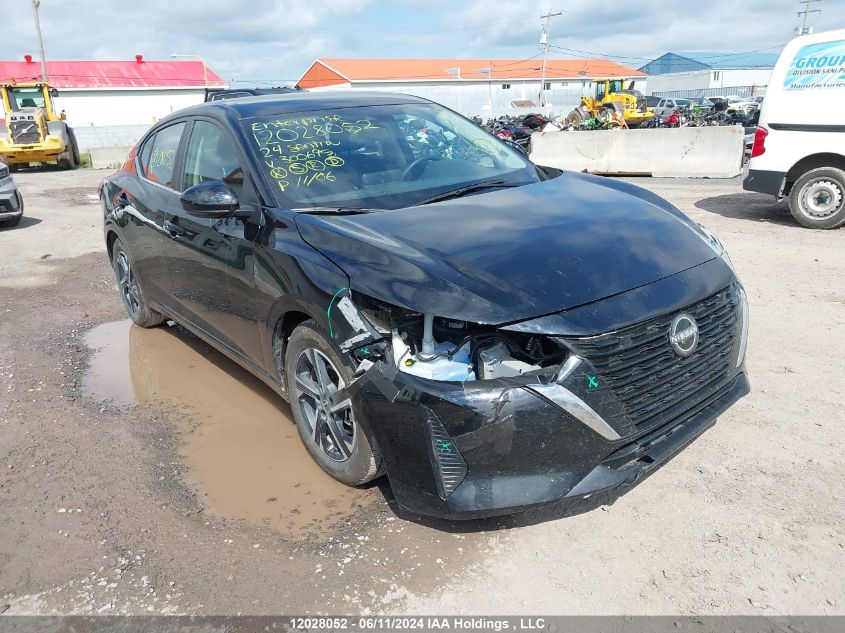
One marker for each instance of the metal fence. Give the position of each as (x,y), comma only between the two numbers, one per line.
(739,91)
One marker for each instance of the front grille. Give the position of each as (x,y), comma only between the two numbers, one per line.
(655,385)
(24,132)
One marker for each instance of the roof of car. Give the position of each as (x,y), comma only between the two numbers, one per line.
(300,101)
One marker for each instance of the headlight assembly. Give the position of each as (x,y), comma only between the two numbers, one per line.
(714,243)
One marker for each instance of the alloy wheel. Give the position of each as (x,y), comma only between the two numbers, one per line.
(128,284)
(331,424)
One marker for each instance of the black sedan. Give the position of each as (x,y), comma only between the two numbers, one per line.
(489,334)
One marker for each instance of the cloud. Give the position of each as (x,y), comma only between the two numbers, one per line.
(274,42)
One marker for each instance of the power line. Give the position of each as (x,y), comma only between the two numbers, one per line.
(804,29)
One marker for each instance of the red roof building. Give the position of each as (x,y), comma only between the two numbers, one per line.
(101,75)
(336,72)
(112,96)
(473,86)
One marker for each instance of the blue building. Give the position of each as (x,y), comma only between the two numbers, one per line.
(707,74)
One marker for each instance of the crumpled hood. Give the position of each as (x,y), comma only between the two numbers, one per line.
(512,254)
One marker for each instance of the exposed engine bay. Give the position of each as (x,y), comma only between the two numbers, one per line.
(444,349)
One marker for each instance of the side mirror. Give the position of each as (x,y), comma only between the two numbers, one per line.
(54,93)
(213,199)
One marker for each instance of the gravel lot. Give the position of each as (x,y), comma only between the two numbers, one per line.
(150,475)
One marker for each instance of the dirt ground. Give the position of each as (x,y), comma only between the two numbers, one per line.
(141,472)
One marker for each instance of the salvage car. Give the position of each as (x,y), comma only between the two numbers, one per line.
(11,201)
(489,334)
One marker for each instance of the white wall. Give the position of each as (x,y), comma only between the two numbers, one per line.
(705,79)
(123,107)
(489,99)
(679,81)
(741,77)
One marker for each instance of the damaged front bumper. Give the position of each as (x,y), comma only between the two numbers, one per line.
(486,448)
(621,404)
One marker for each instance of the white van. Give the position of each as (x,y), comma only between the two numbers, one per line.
(799,146)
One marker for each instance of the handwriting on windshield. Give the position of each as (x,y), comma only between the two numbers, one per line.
(299,152)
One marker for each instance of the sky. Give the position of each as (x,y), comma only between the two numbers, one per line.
(264,42)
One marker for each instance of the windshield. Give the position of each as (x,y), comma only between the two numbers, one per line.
(378,157)
(26,98)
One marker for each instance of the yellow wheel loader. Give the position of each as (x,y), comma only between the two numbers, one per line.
(33,132)
(610,100)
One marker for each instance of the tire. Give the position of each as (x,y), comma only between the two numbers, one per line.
(338,442)
(67,159)
(817,199)
(574,118)
(130,291)
(74,146)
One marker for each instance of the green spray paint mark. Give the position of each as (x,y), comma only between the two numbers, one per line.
(329,311)
(443,446)
(592,382)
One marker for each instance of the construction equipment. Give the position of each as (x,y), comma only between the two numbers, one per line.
(612,102)
(33,132)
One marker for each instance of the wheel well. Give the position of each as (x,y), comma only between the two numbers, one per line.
(110,240)
(812,162)
(284,327)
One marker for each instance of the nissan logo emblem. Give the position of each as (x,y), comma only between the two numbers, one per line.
(683,334)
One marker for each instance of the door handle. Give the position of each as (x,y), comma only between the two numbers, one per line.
(122,200)
(173,228)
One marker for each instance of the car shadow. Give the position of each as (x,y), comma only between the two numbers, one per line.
(755,207)
(25,222)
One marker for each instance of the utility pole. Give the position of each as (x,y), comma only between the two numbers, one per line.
(804,29)
(35,5)
(545,37)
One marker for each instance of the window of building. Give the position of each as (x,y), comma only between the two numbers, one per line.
(715,75)
(547,85)
(506,86)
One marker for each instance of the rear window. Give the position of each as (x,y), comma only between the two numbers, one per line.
(158,157)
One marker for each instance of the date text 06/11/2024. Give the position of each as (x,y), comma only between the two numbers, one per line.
(410,623)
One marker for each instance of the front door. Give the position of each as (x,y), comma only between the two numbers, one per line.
(211,261)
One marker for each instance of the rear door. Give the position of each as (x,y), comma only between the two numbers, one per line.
(211,260)
(142,204)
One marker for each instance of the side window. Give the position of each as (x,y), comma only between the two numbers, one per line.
(212,156)
(144,156)
(158,167)
(600,91)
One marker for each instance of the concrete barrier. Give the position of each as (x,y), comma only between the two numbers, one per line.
(697,152)
(108,157)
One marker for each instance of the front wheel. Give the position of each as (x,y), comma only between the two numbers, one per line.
(817,199)
(130,290)
(316,371)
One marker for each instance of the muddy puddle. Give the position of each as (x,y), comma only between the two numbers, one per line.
(239,440)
